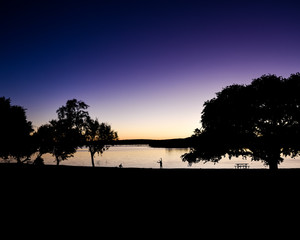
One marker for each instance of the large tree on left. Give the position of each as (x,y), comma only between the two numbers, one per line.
(15,137)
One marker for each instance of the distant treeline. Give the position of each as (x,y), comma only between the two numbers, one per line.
(167,143)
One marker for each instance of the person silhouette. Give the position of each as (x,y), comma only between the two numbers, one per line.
(160,163)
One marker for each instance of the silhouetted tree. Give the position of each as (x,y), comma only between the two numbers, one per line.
(44,137)
(260,120)
(98,137)
(68,129)
(73,114)
(65,140)
(63,136)
(15,137)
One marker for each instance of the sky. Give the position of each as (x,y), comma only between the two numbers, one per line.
(144,67)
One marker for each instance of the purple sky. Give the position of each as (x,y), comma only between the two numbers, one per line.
(144,67)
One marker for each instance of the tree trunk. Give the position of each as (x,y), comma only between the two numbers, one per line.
(92,157)
(273,160)
(273,164)
(57,161)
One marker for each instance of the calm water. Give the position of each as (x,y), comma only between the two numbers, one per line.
(143,156)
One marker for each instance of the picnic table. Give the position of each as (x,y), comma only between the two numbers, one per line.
(241,165)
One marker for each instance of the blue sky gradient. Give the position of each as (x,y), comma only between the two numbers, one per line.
(145,67)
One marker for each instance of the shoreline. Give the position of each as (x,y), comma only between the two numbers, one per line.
(31,165)
(136,170)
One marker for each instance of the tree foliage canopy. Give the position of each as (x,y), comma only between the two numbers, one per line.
(74,128)
(62,136)
(260,120)
(98,136)
(73,114)
(15,138)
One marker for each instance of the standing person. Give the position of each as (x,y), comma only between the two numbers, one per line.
(160,163)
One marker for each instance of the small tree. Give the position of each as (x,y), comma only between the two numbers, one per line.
(98,137)
(260,120)
(55,138)
(63,136)
(44,138)
(67,130)
(65,140)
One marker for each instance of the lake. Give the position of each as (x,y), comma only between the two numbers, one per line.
(143,156)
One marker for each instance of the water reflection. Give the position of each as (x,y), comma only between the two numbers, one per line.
(170,150)
(143,156)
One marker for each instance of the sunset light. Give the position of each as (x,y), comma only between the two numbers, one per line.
(144,69)
(138,112)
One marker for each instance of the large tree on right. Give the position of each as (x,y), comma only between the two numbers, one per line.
(260,120)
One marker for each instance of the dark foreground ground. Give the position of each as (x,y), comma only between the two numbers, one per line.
(140,179)
(146,201)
